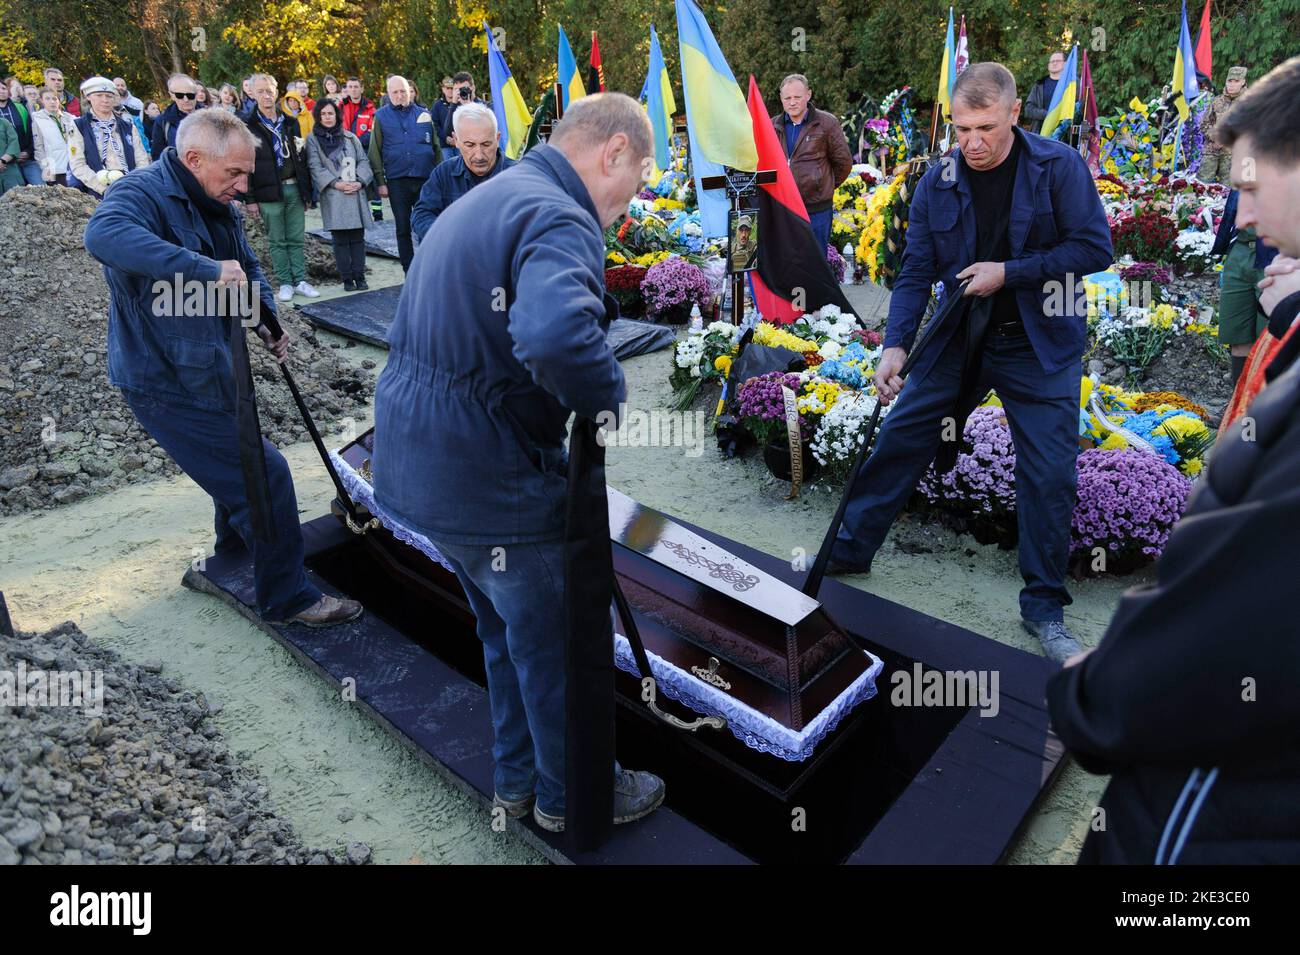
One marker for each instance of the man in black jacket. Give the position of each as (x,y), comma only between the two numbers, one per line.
(278,190)
(1190,701)
(183,92)
(1040,96)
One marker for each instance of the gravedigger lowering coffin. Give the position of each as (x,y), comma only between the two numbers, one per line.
(470,419)
(185,376)
(1017,218)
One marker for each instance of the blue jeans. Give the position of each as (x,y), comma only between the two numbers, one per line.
(517,593)
(821,226)
(1043,413)
(31,170)
(205,445)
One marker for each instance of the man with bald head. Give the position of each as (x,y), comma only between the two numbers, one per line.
(1016,216)
(183,91)
(817,151)
(492,349)
(160,232)
(403,151)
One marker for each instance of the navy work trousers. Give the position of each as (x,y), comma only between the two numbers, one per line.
(1043,412)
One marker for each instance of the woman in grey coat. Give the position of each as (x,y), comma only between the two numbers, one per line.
(341,172)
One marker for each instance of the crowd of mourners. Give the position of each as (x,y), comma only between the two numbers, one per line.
(341,152)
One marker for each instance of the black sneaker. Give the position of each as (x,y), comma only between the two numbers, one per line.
(362,285)
(835,568)
(349,285)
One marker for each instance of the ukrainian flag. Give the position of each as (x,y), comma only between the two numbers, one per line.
(570,82)
(717,119)
(1060,112)
(513,118)
(1185,87)
(947,74)
(659,102)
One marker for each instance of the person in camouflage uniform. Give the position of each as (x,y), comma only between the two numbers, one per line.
(1216,160)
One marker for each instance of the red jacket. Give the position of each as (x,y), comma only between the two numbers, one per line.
(358,118)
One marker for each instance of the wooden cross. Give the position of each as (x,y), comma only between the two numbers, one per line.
(544,129)
(739,185)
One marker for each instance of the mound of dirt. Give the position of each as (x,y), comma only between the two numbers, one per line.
(65,431)
(135,770)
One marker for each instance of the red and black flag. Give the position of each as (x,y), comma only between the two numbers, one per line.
(793,275)
(595,72)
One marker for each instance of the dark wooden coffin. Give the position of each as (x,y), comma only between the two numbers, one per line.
(749,636)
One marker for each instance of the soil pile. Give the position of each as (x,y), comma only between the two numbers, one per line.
(65,431)
(125,766)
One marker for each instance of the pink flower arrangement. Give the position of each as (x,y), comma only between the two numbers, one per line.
(674,283)
(1128,502)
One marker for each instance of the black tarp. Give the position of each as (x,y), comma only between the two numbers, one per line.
(367,316)
(381,238)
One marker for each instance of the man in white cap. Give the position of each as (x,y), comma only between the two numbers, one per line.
(105,146)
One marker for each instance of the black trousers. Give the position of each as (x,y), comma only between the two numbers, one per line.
(350,253)
(403,192)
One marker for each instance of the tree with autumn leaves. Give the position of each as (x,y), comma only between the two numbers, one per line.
(845,47)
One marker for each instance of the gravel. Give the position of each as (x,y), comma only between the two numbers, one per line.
(148,780)
(65,431)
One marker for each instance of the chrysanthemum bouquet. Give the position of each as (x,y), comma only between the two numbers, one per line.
(675,284)
(1128,502)
(701,357)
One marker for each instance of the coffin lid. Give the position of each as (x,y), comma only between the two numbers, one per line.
(657,536)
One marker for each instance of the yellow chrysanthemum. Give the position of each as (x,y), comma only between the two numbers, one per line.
(768,334)
(818,397)
(1185,426)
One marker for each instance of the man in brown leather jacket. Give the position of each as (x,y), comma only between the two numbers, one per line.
(817,150)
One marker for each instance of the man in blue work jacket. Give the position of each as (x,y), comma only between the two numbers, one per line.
(1018,217)
(491,351)
(171,224)
(402,154)
(479,158)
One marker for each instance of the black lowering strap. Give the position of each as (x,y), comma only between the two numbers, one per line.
(588,646)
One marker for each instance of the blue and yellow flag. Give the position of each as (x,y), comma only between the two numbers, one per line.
(659,102)
(1184,86)
(947,74)
(717,120)
(1060,112)
(567,73)
(513,118)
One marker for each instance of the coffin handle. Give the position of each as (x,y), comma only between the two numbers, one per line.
(648,692)
(649,688)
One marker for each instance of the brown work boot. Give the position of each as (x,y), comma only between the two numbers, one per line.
(327,612)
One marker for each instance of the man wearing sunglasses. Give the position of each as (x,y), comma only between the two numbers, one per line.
(183,91)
